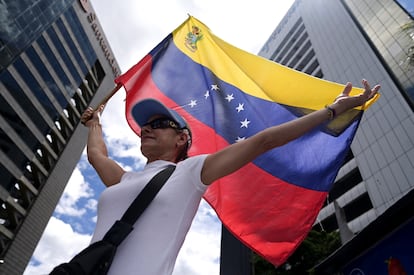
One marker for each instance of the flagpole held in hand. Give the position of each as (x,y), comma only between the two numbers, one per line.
(103,102)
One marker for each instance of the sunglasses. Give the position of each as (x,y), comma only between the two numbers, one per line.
(161,123)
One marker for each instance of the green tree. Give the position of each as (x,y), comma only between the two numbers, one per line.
(316,247)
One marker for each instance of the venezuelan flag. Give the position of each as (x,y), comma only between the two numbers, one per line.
(228,95)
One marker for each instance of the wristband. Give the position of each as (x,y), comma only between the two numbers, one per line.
(331,112)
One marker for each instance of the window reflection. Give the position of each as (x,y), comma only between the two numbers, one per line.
(389,25)
(22,21)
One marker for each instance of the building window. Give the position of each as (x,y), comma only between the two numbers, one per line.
(389,27)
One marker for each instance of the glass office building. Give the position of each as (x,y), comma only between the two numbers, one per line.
(347,40)
(371,202)
(54,62)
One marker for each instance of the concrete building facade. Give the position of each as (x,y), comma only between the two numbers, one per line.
(54,62)
(347,40)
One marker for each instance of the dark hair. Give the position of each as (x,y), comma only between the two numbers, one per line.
(183,154)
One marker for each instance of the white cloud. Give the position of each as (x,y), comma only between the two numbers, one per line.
(83,161)
(91,204)
(200,253)
(141,25)
(76,189)
(59,243)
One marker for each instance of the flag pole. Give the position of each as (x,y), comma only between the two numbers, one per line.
(104,100)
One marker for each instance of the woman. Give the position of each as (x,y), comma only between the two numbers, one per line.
(153,245)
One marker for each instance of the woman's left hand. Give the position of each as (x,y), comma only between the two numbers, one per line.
(345,102)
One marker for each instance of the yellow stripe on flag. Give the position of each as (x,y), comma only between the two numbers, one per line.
(256,75)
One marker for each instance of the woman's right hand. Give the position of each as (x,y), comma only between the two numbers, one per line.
(91,116)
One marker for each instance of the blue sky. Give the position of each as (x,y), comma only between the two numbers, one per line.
(408,5)
(133,28)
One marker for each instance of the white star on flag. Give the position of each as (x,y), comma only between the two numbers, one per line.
(215,87)
(240,139)
(229,98)
(240,107)
(193,103)
(244,123)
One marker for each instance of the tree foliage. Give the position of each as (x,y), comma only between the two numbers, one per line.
(316,247)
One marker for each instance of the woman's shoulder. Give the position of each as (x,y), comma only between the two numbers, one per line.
(193,160)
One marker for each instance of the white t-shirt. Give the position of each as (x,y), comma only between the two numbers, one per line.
(153,245)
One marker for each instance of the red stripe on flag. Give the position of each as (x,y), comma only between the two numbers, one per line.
(284,213)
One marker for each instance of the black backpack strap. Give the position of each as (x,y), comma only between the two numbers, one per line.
(118,232)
